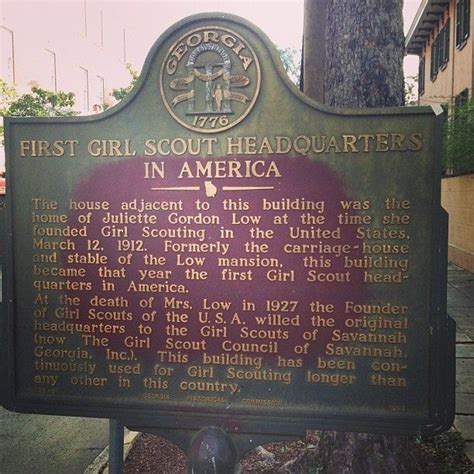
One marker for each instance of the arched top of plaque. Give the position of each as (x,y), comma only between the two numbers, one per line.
(210,72)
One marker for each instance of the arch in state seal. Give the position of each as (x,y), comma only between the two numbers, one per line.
(210,79)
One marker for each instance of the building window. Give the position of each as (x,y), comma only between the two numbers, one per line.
(7,70)
(52,79)
(84,15)
(460,112)
(124,45)
(421,77)
(99,94)
(84,90)
(440,51)
(462,21)
(462,98)
(101,28)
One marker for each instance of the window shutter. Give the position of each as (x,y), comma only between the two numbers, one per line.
(447,33)
(421,77)
(432,65)
(466,19)
(458,22)
(439,52)
(441,49)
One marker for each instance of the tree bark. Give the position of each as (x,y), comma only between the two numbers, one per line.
(363,67)
(364,52)
(314,51)
(353,453)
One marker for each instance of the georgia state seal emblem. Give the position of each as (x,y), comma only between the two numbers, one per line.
(210,79)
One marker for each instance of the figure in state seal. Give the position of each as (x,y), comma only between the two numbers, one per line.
(210,79)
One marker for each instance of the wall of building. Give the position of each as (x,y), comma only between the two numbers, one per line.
(457,198)
(454,77)
(68,46)
(74,46)
(457,74)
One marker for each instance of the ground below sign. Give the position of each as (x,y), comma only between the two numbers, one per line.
(220,248)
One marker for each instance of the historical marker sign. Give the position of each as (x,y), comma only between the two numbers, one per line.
(219,248)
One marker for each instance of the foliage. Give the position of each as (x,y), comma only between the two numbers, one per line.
(445,453)
(122,92)
(42,103)
(315,470)
(7,95)
(38,103)
(458,144)
(291,58)
(411,90)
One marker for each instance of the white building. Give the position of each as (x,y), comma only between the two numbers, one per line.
(68,46)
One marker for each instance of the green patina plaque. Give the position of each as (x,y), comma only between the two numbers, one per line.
(220,249)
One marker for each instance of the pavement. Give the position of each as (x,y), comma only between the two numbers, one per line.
(461,309)
(100,465)
(45,444)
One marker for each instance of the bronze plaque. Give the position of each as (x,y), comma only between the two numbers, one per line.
(219,248)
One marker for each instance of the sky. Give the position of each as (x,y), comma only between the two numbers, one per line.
(281,20)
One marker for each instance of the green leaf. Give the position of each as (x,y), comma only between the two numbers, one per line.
(42,103)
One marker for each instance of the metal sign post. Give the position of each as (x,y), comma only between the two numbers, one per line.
(115,447)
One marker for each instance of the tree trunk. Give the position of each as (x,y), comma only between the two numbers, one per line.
(353,453)
(364,52)
(363,67)
(314,52)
